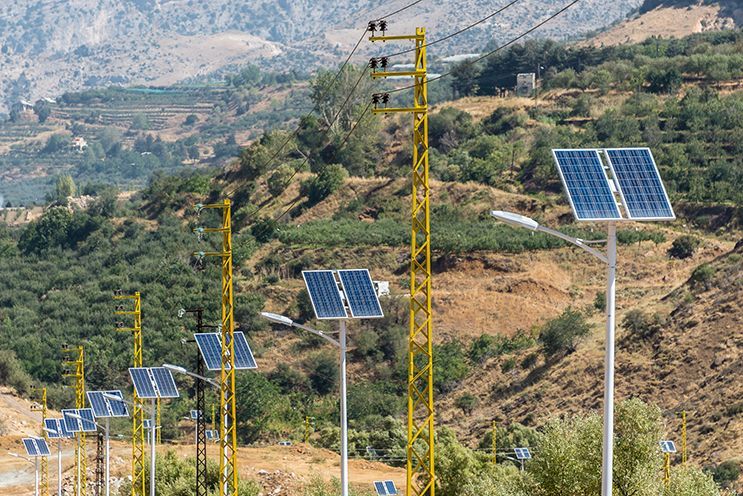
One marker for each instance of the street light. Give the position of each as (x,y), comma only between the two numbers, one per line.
(181,370)
(105,430)
(59,435)
(35,463)
(610,259)
(341,344)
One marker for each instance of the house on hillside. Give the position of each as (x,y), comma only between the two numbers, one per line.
(78,143)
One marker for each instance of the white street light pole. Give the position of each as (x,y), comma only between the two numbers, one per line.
(341,344)
(153,441)
(59,458)
(105,430)
(610,259)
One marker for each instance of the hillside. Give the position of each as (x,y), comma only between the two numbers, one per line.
(51,47)
(673,18)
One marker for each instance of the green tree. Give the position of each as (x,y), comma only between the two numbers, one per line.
(323,372)
(50,230)
(465,77)
(683,247)
(330,178)
(560,335)
(43,110)
(64,187)
(687,480)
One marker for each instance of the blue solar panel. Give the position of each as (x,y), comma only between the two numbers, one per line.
(668,447)
(385,488)
(360,294)
(640,186)
(164,382)
(210,346)
(71,424)
(195,414)
(244,359)
(142,383)
(587,186)
(104,407)
(42,448)
(391,489)
(147,424)
(52,428)
(379,487)
(88,423)
(66,433)
(30,445)
(324,294)
(523,453)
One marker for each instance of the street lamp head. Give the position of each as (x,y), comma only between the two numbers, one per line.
(108,396)
(175,368)
(277,319)
(515,220)
(181,313)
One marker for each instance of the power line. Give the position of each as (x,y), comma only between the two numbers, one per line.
(496,50)
(457,33)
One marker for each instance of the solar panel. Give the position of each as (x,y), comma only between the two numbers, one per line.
(70,423)
(164,382)
(30,445)
(210,347)
(360,294)
(640,185)
(324,294)
(147,423)
(87,424)
(668,447)
(587,186)
(104,407)
(42,448)
(385,488)
(195,415)
(66,433)
(243,354)
(212,435)
(142,383)
(523,453)
(52,428)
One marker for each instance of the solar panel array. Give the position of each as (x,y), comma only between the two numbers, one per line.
(385,488)
(640,186)
(104,407)
(153,382)
(84,424)
(522,453)
(591,191)
(587,186)
(210,346)
(668,447)
(36,446)
(324,294)
(360,294)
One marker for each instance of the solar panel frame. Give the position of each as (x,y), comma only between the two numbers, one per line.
(629,187)
(164,382)
(147,424)
(668,447)
(360,294)
(87,424)
(195,414)
(390,486)
(71,424)
(143,384)
(582,195)
(244,359)
(66,433)
(107,408)
(379,487)
(210,346)
(325,296)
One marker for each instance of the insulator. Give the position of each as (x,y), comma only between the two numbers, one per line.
(385,98)
(373,63)
(117,292)
(375,99)
(119,325)
(384,62)
(119,308)
(372,26)
(383,26)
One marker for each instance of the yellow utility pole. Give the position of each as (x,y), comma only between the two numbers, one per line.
(77,360)
(44,464)
(666,469)
(495,446)
(158,422)
(307,430)
(683,436)
(138,442)
(227,400)
(421,477)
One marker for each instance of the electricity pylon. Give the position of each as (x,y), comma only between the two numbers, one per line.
(138,443)
(44,463)
(421,477)
(683,437)
(77,361)
(495,444)
(227,400)
(158,422)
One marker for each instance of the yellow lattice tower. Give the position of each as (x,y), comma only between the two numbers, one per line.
(81,455)
(138,445)
(683,437)
(158,421)
(44,463)
(421,479)
(227,401)
(494,444)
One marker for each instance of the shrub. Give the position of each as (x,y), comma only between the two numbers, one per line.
(640,324)
(599,302)
(264,229)
(330,178)
(726,474)
(702,275)
(450,363)
(323,372)
(508,365)
(12,372)
(683,247)
(561,334)
(467,403)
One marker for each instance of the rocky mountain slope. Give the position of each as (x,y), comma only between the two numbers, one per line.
(52,46)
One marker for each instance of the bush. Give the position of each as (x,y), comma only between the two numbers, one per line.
(323,372)
(640,324)
(12,372)
(599,302)
(561,334)
(726,474)
(702,275)
(330,178)
(450,363)
(467,403)
(683,247)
